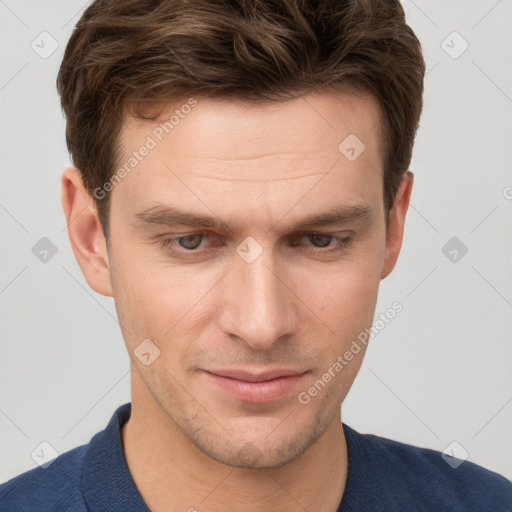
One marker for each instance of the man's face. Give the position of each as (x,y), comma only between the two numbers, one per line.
(288,300)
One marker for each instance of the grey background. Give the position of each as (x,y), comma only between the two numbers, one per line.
(438,373)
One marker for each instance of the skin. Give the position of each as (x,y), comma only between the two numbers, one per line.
(188,443)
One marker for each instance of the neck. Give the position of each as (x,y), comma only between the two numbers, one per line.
(172,474)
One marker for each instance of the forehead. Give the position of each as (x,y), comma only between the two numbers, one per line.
(235,130)
(212,147)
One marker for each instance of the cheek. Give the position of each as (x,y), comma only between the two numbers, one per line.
(347,308)
(141,294)
(159,301)
(345,296)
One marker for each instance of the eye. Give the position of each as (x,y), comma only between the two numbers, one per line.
(190,242)
(321,243)
(320,240)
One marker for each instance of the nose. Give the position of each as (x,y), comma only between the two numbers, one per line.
(258,306)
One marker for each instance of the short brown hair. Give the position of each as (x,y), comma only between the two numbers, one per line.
(123,52)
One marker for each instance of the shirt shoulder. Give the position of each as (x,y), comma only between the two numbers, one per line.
(406,477)
(55,487)
(90,478)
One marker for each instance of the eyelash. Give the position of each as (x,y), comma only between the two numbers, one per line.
(342,242)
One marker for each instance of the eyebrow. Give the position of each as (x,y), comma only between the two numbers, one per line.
(160,215)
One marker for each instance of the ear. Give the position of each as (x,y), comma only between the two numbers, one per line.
(395,231)
(85,232)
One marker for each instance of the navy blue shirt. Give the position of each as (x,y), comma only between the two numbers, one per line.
(383,475)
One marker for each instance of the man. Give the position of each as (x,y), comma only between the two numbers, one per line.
(240,189)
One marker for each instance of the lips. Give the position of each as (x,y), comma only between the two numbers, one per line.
(255,376)
(255,386)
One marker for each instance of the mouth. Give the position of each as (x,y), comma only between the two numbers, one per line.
(254,386)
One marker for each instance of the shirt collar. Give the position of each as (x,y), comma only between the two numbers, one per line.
(107,483)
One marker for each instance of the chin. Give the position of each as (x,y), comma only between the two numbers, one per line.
(257,448)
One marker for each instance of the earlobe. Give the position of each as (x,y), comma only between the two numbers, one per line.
(396,224)
(85,232)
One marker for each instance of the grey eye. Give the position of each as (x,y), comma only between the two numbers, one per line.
(190,241)
(319,240)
